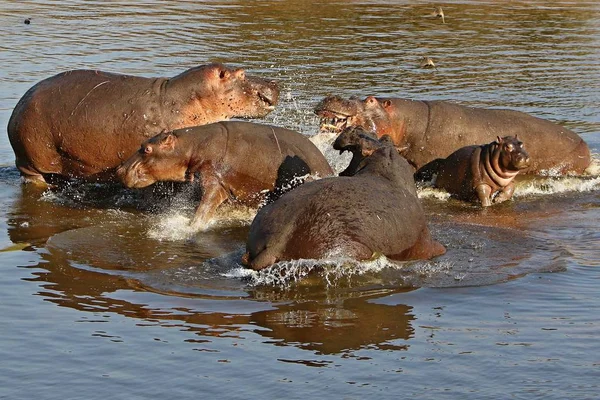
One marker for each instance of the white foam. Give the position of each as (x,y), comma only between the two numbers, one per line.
(285,273)
(176,226)
(432,193)
(542,186)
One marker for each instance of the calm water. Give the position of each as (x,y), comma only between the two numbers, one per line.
(102,300)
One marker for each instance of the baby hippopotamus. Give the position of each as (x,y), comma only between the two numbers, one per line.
(375,211)
(483,173)
(235,160)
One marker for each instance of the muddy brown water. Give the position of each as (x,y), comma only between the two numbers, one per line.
(100,299)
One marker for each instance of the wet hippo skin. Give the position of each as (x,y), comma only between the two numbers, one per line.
(427,130)
(480,173)
(231,160)
(375,211)
(83,123)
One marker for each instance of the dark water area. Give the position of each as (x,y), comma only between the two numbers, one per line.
(102,299)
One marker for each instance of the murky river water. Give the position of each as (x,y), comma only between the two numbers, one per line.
(99,299)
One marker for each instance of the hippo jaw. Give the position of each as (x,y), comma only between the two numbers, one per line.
(337,114)
(265,92)
(133,175)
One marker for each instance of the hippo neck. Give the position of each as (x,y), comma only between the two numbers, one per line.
(490,161)
(408,120)
(187,106)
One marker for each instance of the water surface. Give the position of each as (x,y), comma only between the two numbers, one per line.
(101,299)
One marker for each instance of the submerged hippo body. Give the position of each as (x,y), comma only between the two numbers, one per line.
(427,130)
(484,173)
(83,124)
(239,161)
(375,211)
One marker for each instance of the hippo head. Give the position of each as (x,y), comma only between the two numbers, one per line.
(387,163)
(158,159)
(369,114)
(361,144)
(512,156)
(231,92)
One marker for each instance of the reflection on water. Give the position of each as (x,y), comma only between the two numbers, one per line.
(131,281)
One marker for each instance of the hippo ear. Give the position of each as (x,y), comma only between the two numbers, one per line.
(498,139)
(168,142)
(386,103)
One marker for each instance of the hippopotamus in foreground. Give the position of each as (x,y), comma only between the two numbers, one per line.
(375,211)
(83,124)
(427,130)
(231,160)
(483,173)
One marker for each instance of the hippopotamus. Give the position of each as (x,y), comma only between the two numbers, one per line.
(483,173)
(426,130)
(83,123)
(376,211)
(232,160)
(361,144)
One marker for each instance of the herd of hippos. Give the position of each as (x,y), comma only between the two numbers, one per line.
(96,126)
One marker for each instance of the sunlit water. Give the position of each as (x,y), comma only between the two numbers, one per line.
(102,298)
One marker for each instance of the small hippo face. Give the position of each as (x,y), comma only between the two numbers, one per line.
(361,144)
(355,138)
(234,92)
(513,156)
(158,159)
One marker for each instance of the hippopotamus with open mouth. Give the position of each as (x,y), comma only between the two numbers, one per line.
(231,160)
(83,123)
(361,144)
(426,130)
(483,173)
(375,211)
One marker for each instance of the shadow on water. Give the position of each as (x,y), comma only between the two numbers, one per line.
(100,259)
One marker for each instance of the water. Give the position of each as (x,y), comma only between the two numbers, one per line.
(101,299)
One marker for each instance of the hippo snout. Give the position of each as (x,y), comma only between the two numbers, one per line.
(267,91)
(131,175)
(522,160)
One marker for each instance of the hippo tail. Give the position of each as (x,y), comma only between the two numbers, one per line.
(427,172)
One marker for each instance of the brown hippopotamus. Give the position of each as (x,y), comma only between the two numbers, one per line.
(361,144)
(483,173)
(234,160)
(375,211)
(83,124)
(427,130)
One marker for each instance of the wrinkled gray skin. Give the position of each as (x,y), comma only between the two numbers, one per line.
(427,130)
(480,173)
(82,124)
(231,160)
(376,211)
(361,144)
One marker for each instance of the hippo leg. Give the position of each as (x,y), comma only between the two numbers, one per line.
(505,194)
(423,249)
(31,176)
(484,193)
(213,194)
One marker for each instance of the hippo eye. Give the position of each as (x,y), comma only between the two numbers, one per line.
(509,147)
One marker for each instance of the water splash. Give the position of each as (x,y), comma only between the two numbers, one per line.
(333,272)
(175,225)
(555,185)
(324,142)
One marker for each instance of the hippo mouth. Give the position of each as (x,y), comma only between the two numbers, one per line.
(267,102)
(334,122)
